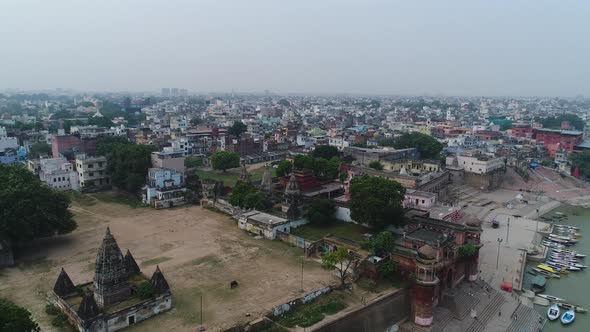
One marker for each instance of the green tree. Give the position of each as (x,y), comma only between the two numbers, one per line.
(39,149)
(321,212)
(326,152)
(342,260)
(16,318)
(467,250)
(106,144)
(127,163)
(376,201)
(100,122)
(323,169)
(30,209)
(224,160)
(145,290)
(554,122)
(192,162)
(237,129)
(381,245)
(428,146)
(581,161)
(388,269)
(86,104)
(284,168)
(376,165)
(246,196)
(284,102)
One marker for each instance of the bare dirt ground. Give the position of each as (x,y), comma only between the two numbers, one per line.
(199,252)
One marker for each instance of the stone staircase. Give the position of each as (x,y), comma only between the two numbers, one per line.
(490,310)
(527,320)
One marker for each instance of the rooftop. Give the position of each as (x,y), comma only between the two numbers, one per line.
(264,218)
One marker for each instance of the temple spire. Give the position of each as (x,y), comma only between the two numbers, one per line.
(131,264)
(88,308)
(64,285)
(110,278)
(159,282)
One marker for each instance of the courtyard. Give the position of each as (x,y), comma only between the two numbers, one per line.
(200,252)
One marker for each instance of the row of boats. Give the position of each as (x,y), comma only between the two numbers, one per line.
(560,261)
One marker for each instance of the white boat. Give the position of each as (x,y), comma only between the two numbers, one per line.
(552,244)
(553,312)
(566,226)
(568,317)
(569,252)
(551,298)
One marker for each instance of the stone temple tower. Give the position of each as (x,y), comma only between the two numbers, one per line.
(111,283)
(292,199)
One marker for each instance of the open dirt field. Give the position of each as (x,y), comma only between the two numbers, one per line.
(199,252)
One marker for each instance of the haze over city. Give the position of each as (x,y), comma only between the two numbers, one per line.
(526,48)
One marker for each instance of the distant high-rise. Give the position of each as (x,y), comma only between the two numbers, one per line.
(174,91)
(165,92)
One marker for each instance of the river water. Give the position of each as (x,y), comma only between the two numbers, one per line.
(575,287)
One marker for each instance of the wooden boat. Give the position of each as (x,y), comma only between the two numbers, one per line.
(552,244)
(569,252)
(551,298)
(553,312)
(576,308)
(545,273)
(564,265)
(568,317)
(546,268)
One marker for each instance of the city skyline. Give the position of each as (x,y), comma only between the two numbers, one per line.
(373,48)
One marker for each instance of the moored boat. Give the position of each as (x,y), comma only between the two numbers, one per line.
(568,317)
(551,297)
(576,308)
(553,312)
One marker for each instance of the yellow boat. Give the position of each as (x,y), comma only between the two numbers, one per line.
(546,268)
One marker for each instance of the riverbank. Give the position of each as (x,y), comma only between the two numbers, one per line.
(574,287)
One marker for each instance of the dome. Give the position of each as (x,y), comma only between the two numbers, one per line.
(473,222)
(427,252)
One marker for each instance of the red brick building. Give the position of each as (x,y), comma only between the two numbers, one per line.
(555,139)
(522,130)
(69,145)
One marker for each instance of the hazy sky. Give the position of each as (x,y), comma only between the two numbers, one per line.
(471,47)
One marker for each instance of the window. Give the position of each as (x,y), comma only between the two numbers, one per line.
(100,164)
(90,165)
(54,180)
(91,174)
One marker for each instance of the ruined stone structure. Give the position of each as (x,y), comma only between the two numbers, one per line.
(110,302)
(292,199)
(266,185)
(244,175)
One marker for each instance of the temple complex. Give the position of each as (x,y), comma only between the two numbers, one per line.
(111,301)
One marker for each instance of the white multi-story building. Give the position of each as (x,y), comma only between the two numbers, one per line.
(7,142)
(479,164)
(339,142)
(164,189)
(58,173)
(92,171)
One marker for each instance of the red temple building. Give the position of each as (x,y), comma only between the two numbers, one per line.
(555,139)
(429,252)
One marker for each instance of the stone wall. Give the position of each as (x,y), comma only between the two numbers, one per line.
(117,320)
(484,181)
(377,316)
